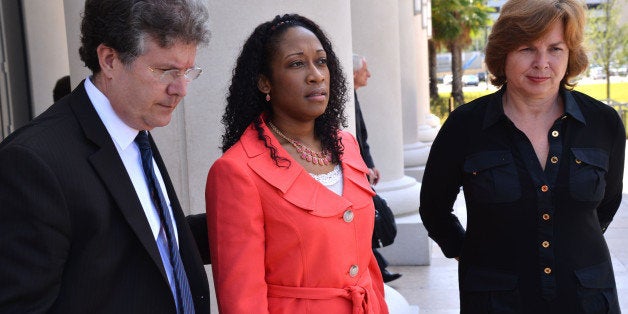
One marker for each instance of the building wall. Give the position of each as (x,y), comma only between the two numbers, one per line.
(46,43)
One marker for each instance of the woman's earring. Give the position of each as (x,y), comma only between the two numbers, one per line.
(267,97)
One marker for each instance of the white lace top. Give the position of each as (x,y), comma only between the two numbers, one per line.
(332,180)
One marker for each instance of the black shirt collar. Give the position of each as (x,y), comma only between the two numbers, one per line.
(495,107)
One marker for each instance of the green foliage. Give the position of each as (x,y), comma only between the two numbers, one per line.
(440,107)
(456,20)
(607,37)
(454,23)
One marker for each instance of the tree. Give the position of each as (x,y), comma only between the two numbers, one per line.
(607,39)
(431,49)
(454,22)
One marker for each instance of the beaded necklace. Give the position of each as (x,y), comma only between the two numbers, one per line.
(317,158)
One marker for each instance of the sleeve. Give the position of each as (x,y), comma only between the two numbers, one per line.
(440,186)
(362,136)
(236,239)
(365,151)
(198,226)
(614,177)
(35,232)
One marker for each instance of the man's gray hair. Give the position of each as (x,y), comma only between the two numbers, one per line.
(358,62)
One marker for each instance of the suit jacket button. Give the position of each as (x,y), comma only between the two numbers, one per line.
(348,216)
(353,271)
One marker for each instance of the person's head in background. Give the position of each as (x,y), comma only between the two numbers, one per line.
(361,72)
(521,23)
(62,88)
(142,54)
(258,84)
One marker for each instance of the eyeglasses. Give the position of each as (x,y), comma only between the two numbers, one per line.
(169,76)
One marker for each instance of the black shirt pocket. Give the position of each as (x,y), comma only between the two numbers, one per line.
(491,177)
(596,289)
(587,173)
(489,291)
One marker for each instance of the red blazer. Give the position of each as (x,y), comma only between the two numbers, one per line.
(281,242)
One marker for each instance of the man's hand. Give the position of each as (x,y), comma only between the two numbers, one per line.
(373,176)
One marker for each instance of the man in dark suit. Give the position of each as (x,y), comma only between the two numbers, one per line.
(361,75)
(89,221)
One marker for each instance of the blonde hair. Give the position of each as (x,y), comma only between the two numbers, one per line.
(524,21)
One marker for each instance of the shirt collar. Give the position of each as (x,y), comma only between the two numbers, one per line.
(122,134)
(495,107)
(571,106)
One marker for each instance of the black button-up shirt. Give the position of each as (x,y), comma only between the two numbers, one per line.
(529,229)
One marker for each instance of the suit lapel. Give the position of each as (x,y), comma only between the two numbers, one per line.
(107,163)
(354,169)
(297,186)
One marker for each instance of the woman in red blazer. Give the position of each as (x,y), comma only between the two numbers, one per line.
(289,208)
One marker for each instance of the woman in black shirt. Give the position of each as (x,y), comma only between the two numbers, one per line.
(541,167)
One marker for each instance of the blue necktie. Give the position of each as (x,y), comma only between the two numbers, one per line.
(183,295)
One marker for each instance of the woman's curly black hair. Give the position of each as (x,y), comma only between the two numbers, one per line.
(245,102)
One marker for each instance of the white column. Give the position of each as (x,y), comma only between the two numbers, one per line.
(73,11)
(376,35)
(418,134)
(47,54)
